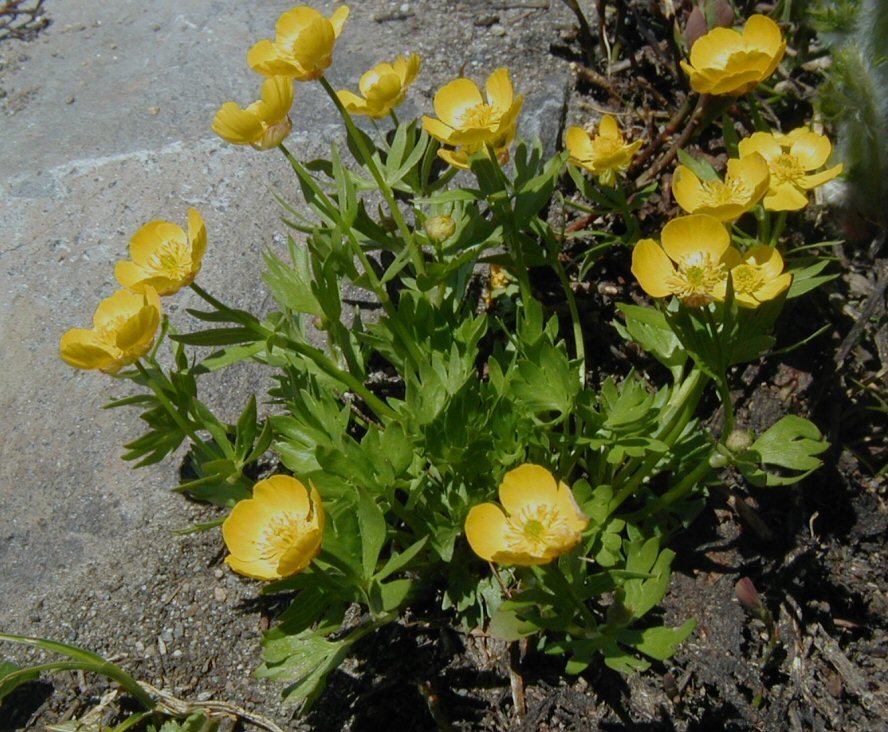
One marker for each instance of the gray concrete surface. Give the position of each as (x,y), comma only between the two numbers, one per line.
(105,125)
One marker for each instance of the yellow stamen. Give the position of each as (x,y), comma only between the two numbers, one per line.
(535,529)
(480,115)
(786,168)
(696,277)
(747,278)
(172,260)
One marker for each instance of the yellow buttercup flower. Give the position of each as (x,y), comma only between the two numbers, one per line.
(264,124)
(303,44)
(275,533)
(791,159)
(163,257)
(384,87)
(605,154)
(541,520)
(124,326)
(746,181)
(725,61)
(469,123)
(759,276)
(692,263)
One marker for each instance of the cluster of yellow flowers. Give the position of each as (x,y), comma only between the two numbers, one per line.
(163,259)
(279,531)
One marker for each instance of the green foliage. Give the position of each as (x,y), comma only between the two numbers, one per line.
(407,413)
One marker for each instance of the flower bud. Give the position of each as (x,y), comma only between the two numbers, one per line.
(440,228)
(748,596)
(717,460)
(739,440)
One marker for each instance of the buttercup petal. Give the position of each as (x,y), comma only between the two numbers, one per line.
(337,20)
(265,59)
(499,89)
(78,348)
(437,129)
(608,127)
(243,525)
(818,179)
(763,143)
(785,197)
(762,33)
(260,569)
(578,144)
(686,189)
(526,485)
(651,268)
(767,259)
(687,235)
(486,530)
(772,288)
(197,237)
(292,23)
(811,150)
(569,510)
(454,98)
(283,493)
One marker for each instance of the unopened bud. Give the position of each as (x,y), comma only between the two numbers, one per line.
(748,596)
(695,26)
(739,440)
(439,228)
(274,135)
(717,460)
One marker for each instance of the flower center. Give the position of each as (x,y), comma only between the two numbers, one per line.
(747,278)
(604,148)
(480,115)
(107,334)
(786,168)
(280,534)
(172,260)
(696,278)
(535,529)
(716,193)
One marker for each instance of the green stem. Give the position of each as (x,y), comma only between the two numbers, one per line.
(384,188)
(724,388)
(763,219)
(328,367)
(184,424)
(676,414)
(778,228)
(563,587)
(579,343)
(316,356)
(673,494)
(358,251)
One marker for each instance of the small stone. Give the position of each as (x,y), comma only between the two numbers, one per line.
(405,7)
(205,696)
(497,30)
(220,594)
(218,573)
(70,100)
(153,111)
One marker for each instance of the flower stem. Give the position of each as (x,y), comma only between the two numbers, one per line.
(184,424)
(673,494)
(358,251)
(384,188)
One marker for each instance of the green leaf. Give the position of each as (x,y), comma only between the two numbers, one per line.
(649,329)
(702,169)
(398,561)
(80,659)
(373,531)
(792,444)
(506,625)
(291,286)
(217,337)
(12,677)
(660,642)
(302,661)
